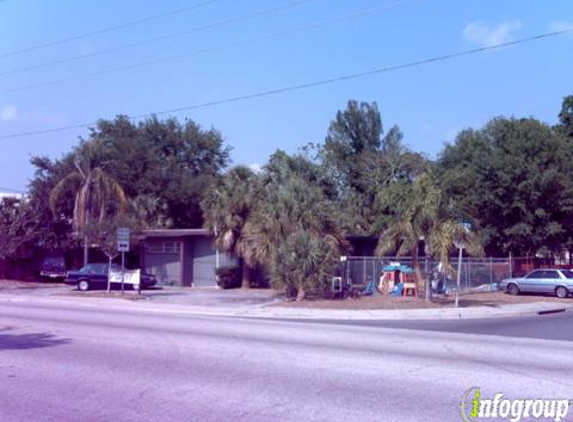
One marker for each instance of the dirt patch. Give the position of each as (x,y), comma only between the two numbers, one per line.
(491,299)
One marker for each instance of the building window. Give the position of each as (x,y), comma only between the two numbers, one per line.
(165,247)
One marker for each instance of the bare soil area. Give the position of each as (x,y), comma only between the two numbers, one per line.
(492,299)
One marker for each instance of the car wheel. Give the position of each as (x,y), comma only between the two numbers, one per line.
(83,285)
(512,289)
(561,292)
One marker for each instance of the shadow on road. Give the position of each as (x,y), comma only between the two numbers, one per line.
(29,341)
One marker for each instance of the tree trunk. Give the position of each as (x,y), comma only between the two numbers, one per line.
(300,294)
(109,275)
(86,240)
(246,276)
(419,279)
(86,249)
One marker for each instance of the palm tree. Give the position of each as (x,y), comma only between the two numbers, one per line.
(425,215)
(150,212)
(227,207)
(403,236)
(97,194)
(295,226)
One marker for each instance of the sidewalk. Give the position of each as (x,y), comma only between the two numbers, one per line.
(277,312)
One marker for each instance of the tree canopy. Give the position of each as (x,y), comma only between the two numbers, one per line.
(515,174)
(511,178)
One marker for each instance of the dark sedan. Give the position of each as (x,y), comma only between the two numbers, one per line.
(96,276)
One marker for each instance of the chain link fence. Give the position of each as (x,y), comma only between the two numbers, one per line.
(476,274)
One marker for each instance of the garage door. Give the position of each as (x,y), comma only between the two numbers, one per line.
(163,260)
(204,260)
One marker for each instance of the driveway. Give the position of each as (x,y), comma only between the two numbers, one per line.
(213,297)
(198,297)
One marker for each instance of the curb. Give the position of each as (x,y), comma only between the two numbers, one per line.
(118,304)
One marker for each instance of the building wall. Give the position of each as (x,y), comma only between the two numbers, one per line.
(184,261)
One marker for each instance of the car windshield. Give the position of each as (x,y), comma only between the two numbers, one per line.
(567,273)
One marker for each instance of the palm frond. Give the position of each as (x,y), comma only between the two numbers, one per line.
(65,185)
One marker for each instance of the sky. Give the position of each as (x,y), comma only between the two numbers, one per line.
(180,53)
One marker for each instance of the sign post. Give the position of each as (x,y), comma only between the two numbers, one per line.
(123,247)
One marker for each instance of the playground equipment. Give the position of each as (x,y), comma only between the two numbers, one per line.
(398,280)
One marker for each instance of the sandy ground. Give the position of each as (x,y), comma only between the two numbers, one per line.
(492,299)
(272,298)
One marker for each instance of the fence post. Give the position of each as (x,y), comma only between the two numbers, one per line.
(459,277)
(491,273)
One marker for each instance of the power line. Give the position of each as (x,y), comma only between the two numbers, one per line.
(163,37)
(211,49)
(314,84)
(109,29)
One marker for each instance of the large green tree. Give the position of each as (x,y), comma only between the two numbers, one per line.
(362,161)
(295,225)
(18,227)
(515,174)
(164,167)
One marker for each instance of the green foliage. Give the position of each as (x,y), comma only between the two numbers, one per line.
(304,261)
(293,208)
(97,194)
(515,174)
(17,228)
(162,166)
(424,213)
(229,277)
(363,162)
(227,207)
(566,117)
(104,233)
(167,160)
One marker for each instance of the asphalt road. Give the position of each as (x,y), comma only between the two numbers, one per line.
(61,362)
(556,326)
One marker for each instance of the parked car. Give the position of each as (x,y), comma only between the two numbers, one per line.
(546,280)
(53,267)
(94,276)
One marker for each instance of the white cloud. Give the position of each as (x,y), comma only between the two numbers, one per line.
(560,26)
(8,113)
(486,36)
(256,167)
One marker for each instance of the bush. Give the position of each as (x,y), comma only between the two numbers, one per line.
(228,277)
(304,262)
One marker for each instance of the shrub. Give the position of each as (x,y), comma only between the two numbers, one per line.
(304,262)
(228,277)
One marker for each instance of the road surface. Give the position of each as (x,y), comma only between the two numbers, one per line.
(64,362)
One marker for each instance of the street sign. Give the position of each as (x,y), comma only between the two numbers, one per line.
(123,239)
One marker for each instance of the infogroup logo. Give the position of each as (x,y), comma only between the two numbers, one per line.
(474,407)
